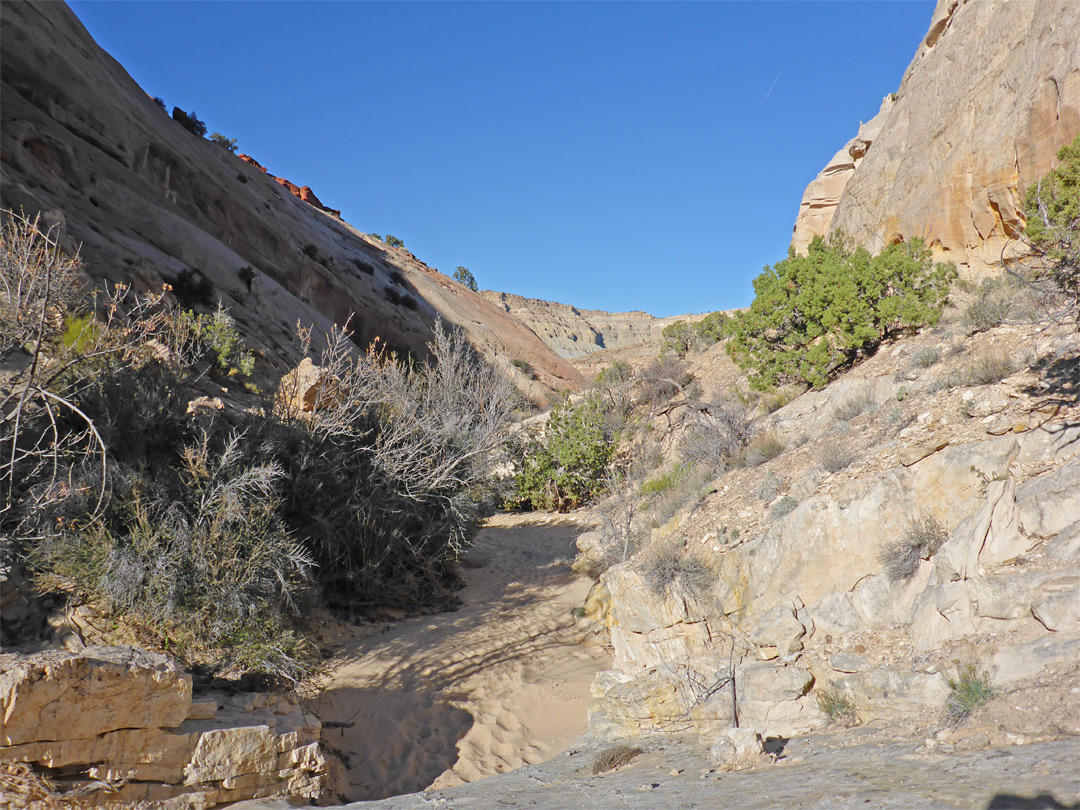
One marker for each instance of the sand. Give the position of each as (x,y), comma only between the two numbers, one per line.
(437,701)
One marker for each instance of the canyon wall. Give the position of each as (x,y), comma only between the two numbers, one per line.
(992,94)
(147,203)
(573,332)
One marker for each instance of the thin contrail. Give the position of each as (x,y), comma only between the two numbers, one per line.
(771,86)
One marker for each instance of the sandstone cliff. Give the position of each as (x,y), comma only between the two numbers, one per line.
(991,95)
(151,203)
(574,332)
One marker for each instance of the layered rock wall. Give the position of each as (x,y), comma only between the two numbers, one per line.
(991,95)
(573,332)
(120,726)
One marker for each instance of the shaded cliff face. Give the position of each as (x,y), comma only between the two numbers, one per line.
(991,95)
(151,203)
(574,332)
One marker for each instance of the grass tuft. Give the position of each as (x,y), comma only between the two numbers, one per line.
(922,537)
(613,757)
(970,689)
(838,707)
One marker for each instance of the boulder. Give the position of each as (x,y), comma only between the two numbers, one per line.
(59,695)
(305,389)
(736,748)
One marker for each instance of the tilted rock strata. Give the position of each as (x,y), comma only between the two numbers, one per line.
(991,95)
(149,202)
(120,715)
(574,332)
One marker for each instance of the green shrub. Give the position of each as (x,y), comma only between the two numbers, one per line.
(160,102)
(523,367)
(215,336)
(968,691)
(677,338)
(1052,214)
(714,327)
(223,142)
(566,466)
(813,315)
(669,493)
(393,241)
(922,538)
(669,568)
(464,277)
(81,333)
(189,121)
(838,707)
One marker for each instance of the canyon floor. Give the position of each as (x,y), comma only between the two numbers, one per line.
(449,698)
(422,711)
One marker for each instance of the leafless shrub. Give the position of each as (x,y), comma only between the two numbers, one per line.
(52,353)
(663,378)
(716,434)
(922,537)
(620,529)
(614,756)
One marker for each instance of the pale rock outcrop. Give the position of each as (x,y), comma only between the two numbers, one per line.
(57,695)
(824,192)
(674,655)
(991,95)
(125,719)
(572,332)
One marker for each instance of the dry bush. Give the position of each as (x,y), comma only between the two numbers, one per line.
(664,378)
(669,568)
(926,357)
(621,531)
(765,446)
(836,457)
(613,757)
(922,537)
(421,440)
(716,433)
(990,367)
(858,403)
(784,506)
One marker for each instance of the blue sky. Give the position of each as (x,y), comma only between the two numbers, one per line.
(643,155)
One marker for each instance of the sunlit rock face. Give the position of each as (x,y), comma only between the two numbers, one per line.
(150,203)
(573,332)
(991,95)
